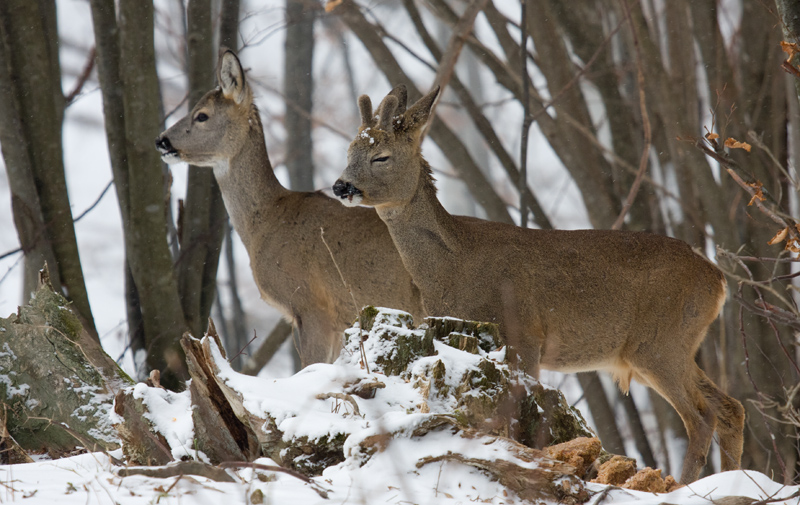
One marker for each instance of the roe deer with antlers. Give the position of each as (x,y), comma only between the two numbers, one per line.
(281,229)
(635,304)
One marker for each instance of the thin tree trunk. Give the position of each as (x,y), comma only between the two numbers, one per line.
(106,33)
(150,260)
(229,24)
(238,337)
(602,413)
(204,212)
(32,108)
(298,86)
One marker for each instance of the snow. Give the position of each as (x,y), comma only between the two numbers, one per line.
(394,452)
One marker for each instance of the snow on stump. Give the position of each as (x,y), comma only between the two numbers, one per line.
(57,384)
(397,399)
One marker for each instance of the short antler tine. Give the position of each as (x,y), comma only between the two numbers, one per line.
(401,93)
(365,106)
(386,112)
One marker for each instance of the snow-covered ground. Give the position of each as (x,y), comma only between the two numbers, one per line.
(91,479)
(388,440)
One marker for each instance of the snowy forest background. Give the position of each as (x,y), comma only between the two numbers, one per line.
(607,80)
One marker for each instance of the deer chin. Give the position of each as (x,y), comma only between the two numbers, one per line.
(352,200)
(171,157)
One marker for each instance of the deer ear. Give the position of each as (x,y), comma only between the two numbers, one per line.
(420,112)
(231,77)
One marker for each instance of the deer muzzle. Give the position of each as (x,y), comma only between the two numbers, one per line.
(346,191)
(168,153)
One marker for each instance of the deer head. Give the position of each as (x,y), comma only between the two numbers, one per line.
(377,172)
(218,125)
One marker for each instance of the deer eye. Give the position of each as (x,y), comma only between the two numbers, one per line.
(201,118)
(380,159)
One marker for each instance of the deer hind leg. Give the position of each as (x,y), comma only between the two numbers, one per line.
(679,384)
(730,423)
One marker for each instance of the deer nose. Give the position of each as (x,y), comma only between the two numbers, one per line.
(344,189)
(163,144)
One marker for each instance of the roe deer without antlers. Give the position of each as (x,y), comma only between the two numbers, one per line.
(280,228)
(635,304)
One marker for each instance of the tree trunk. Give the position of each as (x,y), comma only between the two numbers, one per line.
(229,24)
(204,212)
(32,112)
(106,34)
(298,86)
(148,252)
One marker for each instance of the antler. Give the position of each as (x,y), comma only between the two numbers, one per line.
(386,111)
(401,93)
(365,107)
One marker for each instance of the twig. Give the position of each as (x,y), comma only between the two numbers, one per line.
(581,72)
(82,78)
(344,397)
(74,220)
(241,351)
(645,124)
(353,298)
(448,61)
(271,468)
(179,469)
(300,110)
(94,204)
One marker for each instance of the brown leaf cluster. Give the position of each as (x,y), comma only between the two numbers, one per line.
(759,193)
(792,243)
(732,143)
(790,48)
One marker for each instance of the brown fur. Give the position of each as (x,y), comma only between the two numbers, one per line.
(281,229)
(635,304)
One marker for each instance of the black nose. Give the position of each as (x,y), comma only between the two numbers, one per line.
(163,144)
(344,189)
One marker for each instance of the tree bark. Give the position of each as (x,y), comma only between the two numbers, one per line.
(32,106)
(229,24)
(204,212)
(298,86)
(148,252)
(106,34)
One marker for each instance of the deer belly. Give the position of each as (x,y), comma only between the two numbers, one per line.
(580,354)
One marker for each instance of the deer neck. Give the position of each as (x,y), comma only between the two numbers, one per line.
(248,184)
(422,230)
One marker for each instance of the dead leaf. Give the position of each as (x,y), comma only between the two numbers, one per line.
(791,245)
(735,144)
(779,237)
(758,195)
(712,136)
(790,48)
(332,4)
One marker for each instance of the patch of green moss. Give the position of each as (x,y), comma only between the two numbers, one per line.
(311,457)
(408,348)
(547,419)
(367,317)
